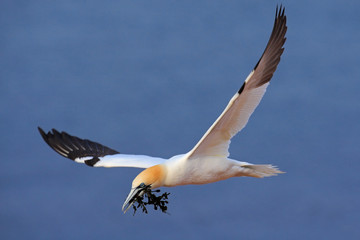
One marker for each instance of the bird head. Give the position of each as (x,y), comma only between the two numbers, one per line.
(150,178)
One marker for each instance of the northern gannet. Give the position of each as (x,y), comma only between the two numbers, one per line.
(209,160)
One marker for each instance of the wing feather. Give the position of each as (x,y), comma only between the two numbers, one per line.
(217,139)
(92,153)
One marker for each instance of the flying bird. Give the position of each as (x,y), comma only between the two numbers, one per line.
(209,160)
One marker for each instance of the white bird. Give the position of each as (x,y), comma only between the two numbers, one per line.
(209,160)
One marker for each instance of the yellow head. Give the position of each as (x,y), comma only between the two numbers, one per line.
(153,176)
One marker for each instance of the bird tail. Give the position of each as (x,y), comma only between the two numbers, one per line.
(260,170)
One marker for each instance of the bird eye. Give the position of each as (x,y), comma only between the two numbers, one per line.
(142,185)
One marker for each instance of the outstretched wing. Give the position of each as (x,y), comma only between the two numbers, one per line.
(216,140)
(92,153)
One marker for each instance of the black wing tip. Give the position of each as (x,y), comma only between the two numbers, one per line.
(42,133)
(280,11)
(73,147)
(273,50)
(53,139)
(46,136)
(277,35)
(49,134)
(280,20)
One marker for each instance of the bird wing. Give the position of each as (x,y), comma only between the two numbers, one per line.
(216,140)
(92,153)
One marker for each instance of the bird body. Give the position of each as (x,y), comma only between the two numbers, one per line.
(209,160)
(179,170)
(182,171)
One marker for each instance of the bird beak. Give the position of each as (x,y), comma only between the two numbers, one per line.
(131,198)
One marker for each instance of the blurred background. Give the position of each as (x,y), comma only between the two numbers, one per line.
(150,77)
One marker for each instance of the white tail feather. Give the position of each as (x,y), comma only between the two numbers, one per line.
(260,171)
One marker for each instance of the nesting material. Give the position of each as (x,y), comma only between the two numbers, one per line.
(159,202)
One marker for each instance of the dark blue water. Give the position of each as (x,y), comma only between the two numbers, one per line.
(149,78)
